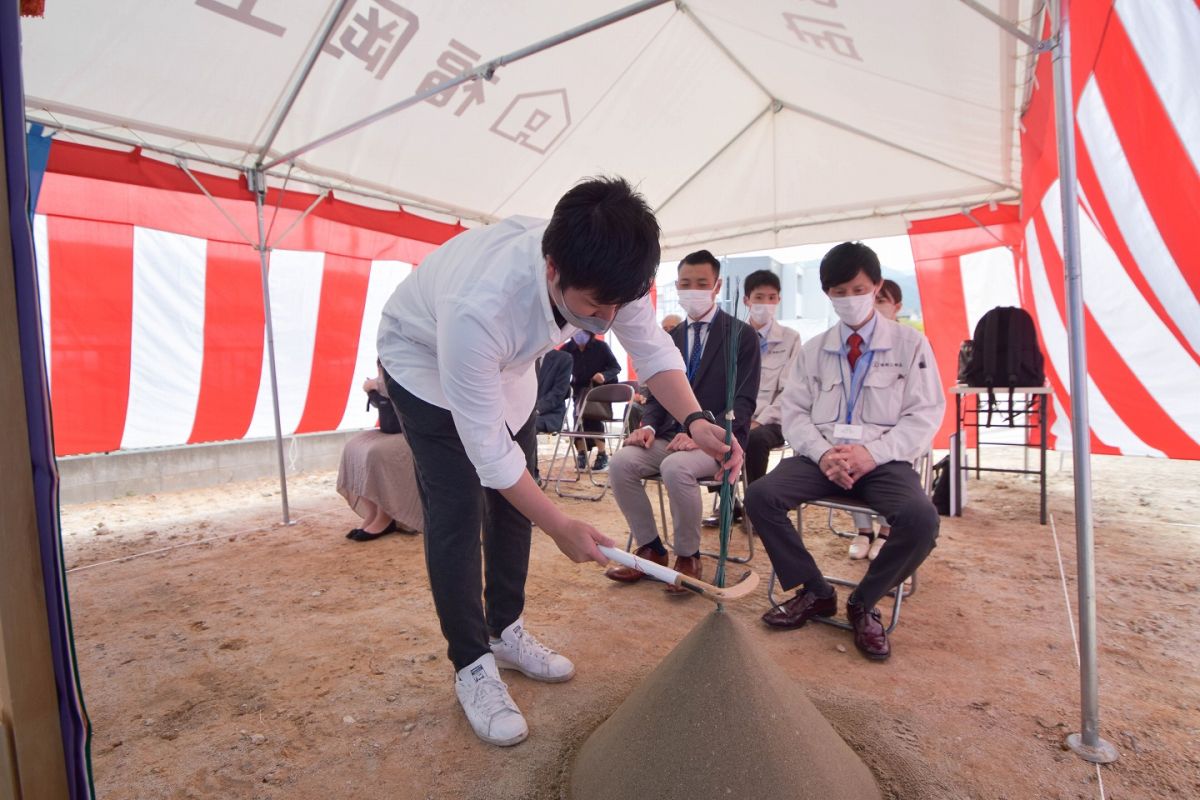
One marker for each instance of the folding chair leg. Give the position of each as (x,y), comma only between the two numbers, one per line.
(746,527)
(562,468)
(594,497)
(834,530)
(665,531)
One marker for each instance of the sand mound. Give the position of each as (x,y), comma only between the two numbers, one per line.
(717,720)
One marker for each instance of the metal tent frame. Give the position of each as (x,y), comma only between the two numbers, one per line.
(1087,744)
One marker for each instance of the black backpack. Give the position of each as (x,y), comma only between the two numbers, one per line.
(1005,354)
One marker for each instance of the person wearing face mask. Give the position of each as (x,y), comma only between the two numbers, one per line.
(662,445)
(867,543)
(458,340)
(779,346)
(861,403)
(594,365)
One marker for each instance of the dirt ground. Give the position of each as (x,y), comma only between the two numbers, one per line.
(257,661)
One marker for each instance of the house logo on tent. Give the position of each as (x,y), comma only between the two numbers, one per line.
(535,119)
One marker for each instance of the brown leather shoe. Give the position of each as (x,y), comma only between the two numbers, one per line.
(686,565)
(800,609)
(631,575)
(869,636)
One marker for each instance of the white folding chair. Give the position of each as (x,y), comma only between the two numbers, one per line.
(613,435)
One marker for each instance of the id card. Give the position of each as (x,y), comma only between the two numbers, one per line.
(847,434)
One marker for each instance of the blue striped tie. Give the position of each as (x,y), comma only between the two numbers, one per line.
(697,347)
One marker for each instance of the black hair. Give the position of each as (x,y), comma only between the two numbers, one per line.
(761,277)
(845,261)
(603,238)
(703,257)
(891,290)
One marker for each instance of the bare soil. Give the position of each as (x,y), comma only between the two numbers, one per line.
(238,658)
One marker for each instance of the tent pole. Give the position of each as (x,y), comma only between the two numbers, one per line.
(482,72)
(1087,744)
(258,185)
(310,60)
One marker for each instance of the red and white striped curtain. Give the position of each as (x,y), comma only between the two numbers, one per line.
(1138,153)
(152,306)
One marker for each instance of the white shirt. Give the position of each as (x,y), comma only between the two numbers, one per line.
(463,331)
(781,347)
(900,407)
(690,330)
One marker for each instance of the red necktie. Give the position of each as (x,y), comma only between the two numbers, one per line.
(855,342)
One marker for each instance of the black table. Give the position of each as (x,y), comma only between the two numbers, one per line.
(1029,413)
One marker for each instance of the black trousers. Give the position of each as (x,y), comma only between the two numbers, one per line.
(457,507)
(893,489)
(762,441)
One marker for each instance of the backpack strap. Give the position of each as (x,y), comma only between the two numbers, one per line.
(1016,336)
(991,338)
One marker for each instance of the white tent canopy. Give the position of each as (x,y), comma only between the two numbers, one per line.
(746,125)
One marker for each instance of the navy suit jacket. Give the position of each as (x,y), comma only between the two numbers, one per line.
(554,386)
(709,381)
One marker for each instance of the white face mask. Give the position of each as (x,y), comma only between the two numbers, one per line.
(594,325)
(762,313)
(696,302)
(855,309)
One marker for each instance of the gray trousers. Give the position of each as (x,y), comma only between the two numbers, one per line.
(680,472)
(893,489)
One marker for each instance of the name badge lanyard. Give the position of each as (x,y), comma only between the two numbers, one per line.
(852,395)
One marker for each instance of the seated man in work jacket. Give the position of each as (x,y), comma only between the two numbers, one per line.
(860,405)
(662,446)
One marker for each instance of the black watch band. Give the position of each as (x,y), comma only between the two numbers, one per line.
(695,415)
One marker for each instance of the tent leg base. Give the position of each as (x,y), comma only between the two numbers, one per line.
(1101,753)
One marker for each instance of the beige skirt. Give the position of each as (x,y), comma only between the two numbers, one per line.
(378,466)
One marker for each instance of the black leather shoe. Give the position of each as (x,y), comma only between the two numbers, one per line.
(869,636)
(800,609)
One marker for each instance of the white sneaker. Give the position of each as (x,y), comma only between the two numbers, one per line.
(860,546)
(517,649)
(490,710)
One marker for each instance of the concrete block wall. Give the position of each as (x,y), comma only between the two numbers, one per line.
(104,476)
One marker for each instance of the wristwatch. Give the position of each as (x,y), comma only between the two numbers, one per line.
(695,415)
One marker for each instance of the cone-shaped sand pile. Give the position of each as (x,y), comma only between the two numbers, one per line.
(717,720)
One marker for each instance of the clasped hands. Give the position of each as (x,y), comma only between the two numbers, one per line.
(846,463)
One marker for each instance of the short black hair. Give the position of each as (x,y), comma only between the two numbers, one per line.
(891,290)
(702,257)
(761,277)
(845,261)
(603,238)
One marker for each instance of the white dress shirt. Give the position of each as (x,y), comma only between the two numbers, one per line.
(690,330)
(463,331)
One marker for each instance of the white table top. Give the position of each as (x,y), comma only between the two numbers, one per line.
(962,389)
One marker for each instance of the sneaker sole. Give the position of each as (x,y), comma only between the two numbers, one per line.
(502,664)
(503,742)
